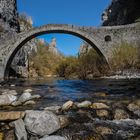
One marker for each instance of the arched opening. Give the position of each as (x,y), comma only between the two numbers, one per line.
(108,38)
(35,33)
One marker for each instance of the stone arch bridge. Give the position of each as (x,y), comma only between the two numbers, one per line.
(103,39)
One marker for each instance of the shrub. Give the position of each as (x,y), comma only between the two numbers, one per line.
(125,56)
(44,62)
(81,66)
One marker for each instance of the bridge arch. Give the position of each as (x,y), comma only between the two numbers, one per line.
(24,37)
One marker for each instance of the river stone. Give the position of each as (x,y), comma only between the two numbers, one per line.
(84,104)
(120,114)
(67,105)
(104,130)
(102,113)
(41,122)
(99,106)
(29,103)
(11,92)
(54,109)
(24,97)
(13,115)
(137,112)
(16,103)
(35,97)
(53,138)
(64,121)
(132,107)
(28,90)
(7,99)
(20,131)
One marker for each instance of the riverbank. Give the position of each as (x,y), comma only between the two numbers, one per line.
(100,109)
(85,120)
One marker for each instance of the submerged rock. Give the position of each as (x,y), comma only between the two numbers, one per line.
(41,122)
(100,94)
(84,104)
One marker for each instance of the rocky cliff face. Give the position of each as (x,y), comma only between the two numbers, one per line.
(9,25)
(8,14)
(121,12)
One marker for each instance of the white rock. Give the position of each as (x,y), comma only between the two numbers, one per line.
(7,99)
(28,90)
(24,97)
(35,97)
(84,104)
(12,92)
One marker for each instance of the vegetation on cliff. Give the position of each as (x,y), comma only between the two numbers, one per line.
(84,66)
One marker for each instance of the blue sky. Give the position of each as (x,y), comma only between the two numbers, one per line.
(77,12)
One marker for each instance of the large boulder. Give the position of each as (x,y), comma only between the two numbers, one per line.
(7,99)
(20,130)
(41,122)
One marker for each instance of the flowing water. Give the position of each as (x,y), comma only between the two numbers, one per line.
(55,91)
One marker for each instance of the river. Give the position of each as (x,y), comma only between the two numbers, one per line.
(57,91)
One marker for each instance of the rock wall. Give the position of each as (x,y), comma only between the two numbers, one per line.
(8,13)
(121,12)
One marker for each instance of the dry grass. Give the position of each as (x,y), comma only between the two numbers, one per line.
(125,56)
